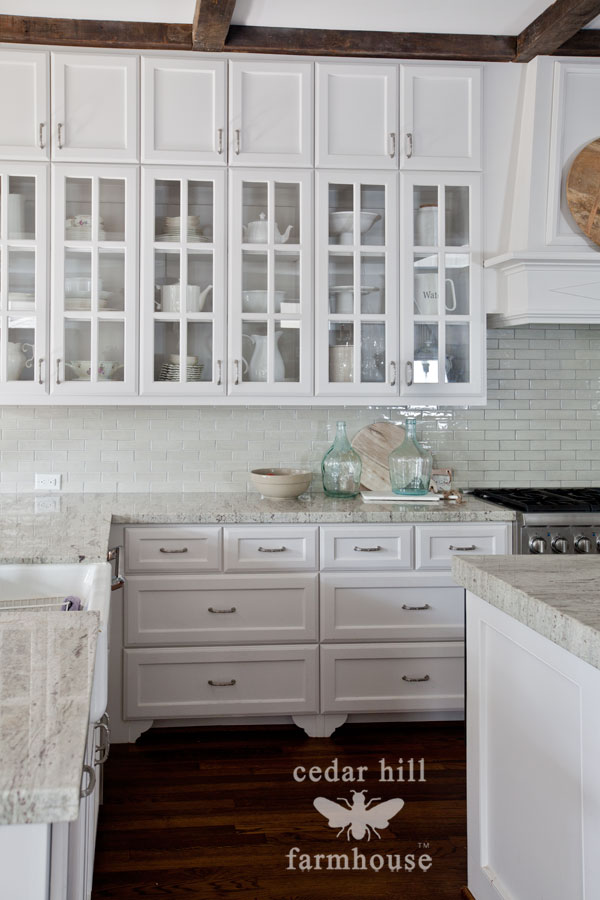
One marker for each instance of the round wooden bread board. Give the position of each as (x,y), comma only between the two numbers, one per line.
(374,445)
(583,190)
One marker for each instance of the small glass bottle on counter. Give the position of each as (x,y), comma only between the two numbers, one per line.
(410,464)
(341,467)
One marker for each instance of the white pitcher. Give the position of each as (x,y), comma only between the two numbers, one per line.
(258,367)
(16,360)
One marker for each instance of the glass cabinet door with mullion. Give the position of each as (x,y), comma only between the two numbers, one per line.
(270,286)
(357,284)
(95,262)
(183,294)
(442,312)
(23,281)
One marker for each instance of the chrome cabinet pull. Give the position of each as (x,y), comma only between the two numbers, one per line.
(60,143)
(462,549)
(219,140)
(271,549)
(392,373)
(103,748)
(85,792)
(393,144)
(164,550)
(58,361)
(211,609)
(406,678)
(222,683)
(426,606)
(42,141)
(409,145)
(237,141)
(409,373)
(117,581)
(236,370)
(40,364)
(220,371)
(368,549)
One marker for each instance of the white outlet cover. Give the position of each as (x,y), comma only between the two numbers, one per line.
(47,482)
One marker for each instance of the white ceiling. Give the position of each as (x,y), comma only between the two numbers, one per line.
(445,16)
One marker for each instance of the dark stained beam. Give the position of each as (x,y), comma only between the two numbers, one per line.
(556,25)
(383,44)
(95,33)
(584,43)
(212,19)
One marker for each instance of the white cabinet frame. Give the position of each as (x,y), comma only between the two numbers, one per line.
(28,112)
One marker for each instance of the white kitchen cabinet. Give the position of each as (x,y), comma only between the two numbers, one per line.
(442,319)
(356,314)
(270,283)
(440,117)
(183,111)
(381,547)
(23,281)
(437,544)
(94,107)
(94,275)
(181,549)
(24,104)
(357,115)
(270,113)
(183,293)
(254,548)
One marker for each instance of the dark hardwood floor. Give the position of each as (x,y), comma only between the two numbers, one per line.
(201,814)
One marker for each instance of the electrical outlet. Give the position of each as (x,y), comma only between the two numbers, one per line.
(47,482)
(47,505)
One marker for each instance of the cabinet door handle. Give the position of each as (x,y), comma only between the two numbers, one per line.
(368,549)
(85,792)
(271,549)
(58,362)
(237,142)
(222,683)
(60,128)
(40,364)
(219,371)
(103,748)
(424,678)
(409,373)
(164,550)
(219,140)
(392,144)
(409,145)
(211,609)
(426,606)
(236,371)
(462,549)
(42,141)
(392,373)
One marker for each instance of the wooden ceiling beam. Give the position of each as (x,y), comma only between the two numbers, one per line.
(212,19)
(584,43)
(95,33)
(552,28)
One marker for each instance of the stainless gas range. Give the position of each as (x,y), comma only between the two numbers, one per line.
(551,520)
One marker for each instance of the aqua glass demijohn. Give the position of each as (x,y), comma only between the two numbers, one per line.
(410,464)
(341,467)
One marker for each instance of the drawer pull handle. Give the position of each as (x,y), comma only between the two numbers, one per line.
(368,549)
(86,791)
(271,549)
(221,683)
(164,550)
(211,609)
(424,678)
(426,606)
(462,549)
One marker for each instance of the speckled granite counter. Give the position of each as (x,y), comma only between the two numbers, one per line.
(557,597)
(45,688)
(79,528)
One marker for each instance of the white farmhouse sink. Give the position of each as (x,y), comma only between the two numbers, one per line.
(91,583)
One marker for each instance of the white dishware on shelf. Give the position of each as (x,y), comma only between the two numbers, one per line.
(256,301)
(82,369)
(290,307)
(257,232)
(21,300)
(344,296)
(17,360)
(171,297)
(427,294)
(341,224)
(258,366)
(426,225)
(175,358)
(80,286)
(341,363)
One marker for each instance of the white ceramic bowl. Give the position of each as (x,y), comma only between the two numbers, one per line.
(340,222)
(79,287)
(256,301)
(281,484)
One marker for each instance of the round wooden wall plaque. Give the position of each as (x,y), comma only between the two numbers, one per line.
(583,190)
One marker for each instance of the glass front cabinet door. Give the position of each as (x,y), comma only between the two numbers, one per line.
(270,319)
(357,285)
(182,296)
(23,304)
(442,327)
(94,310)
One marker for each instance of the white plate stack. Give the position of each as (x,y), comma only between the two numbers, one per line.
(172,229)
(172,372)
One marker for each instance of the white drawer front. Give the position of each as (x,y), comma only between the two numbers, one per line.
(369,607)
(437,544)
(392,677)
(366,547)
(220,609)
(173,683)
(174,548)
(270,549)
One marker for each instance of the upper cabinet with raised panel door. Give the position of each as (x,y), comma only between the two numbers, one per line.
(94,107)
(270,114)
(184,111)
(24,104)
(357,115)
(440,117)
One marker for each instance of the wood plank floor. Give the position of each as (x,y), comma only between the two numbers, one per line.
(201,814)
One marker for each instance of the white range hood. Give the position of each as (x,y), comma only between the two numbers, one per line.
(550,272)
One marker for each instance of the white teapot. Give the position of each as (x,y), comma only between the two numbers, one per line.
(16,360)
(258,232)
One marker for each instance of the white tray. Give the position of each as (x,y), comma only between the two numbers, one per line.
(387,496)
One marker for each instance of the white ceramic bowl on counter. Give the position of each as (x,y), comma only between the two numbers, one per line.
(281,484)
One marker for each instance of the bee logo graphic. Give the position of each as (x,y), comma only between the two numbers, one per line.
(359,817)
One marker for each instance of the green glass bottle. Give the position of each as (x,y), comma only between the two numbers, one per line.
(341,467)
(410,464)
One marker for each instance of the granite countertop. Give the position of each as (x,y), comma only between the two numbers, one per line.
(45,689)
(78,529)
(557,597)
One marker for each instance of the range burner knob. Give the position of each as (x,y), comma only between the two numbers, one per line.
(560,545)
(537,545)
(583,545)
